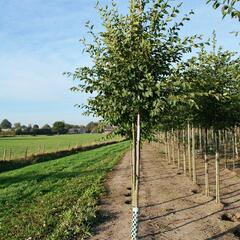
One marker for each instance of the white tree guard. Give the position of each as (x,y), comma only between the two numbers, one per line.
(135,223)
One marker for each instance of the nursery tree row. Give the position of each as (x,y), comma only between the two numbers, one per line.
(142,85)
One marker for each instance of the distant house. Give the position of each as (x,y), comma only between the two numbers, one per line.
(109,129)
(77,130)
(6,130)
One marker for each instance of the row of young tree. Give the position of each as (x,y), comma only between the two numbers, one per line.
(58,127)
(211,82)
(142,85)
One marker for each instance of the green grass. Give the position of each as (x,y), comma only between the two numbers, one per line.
(36,144)
(55,199)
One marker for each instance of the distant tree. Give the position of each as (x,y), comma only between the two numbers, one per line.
(17,125)
(35,129)
(46,130)
(17,128)
(23,130)
(18,131)
(23,127)
(59,127)
(91,127)
(68,126)
(5,124)
(46,126)
(28,130)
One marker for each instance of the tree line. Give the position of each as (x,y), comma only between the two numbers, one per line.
(58,127)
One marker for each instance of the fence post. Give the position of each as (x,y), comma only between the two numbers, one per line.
(4,154)
(26,153)
(10,154)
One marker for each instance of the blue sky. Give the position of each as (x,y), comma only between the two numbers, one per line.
(39,41)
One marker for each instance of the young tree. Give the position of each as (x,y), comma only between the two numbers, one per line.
(213,85)
(132,60)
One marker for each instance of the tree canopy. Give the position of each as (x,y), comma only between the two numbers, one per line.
(132,60)
(5,124)
(228,7)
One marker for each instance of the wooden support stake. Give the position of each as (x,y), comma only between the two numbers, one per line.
(233,148)
(178,149)
(207,190)
(236,145)
(10,154)
(168,147)
(133,165)
(189,153)
(138,158)
(173,148)
(193,157)
(225,149)
(217,162)
(4,154)
(184,154)
(26,153)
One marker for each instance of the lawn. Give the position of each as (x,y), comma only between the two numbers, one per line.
(55,199)
(35,144)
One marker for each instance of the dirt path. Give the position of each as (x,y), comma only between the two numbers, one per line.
(172,208)
(116,213)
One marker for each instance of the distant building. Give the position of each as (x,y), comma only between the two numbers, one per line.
(6,130)
(109,129)
(77,130)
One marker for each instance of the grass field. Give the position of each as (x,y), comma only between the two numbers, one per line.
(55,199)
(35,144)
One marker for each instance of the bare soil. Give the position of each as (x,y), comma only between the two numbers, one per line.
(171,206)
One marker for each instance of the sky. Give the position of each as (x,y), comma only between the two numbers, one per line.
(39,40)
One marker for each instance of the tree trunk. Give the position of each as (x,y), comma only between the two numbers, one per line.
(236,145)
(233,148)
(133,164)
(136,172)
(168,147)
(217,162)
(200,141)
(138,145)
(173,148)
(184,154)
(178,149)
(189,153)
(207,191)
(193,157)
(225,148)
